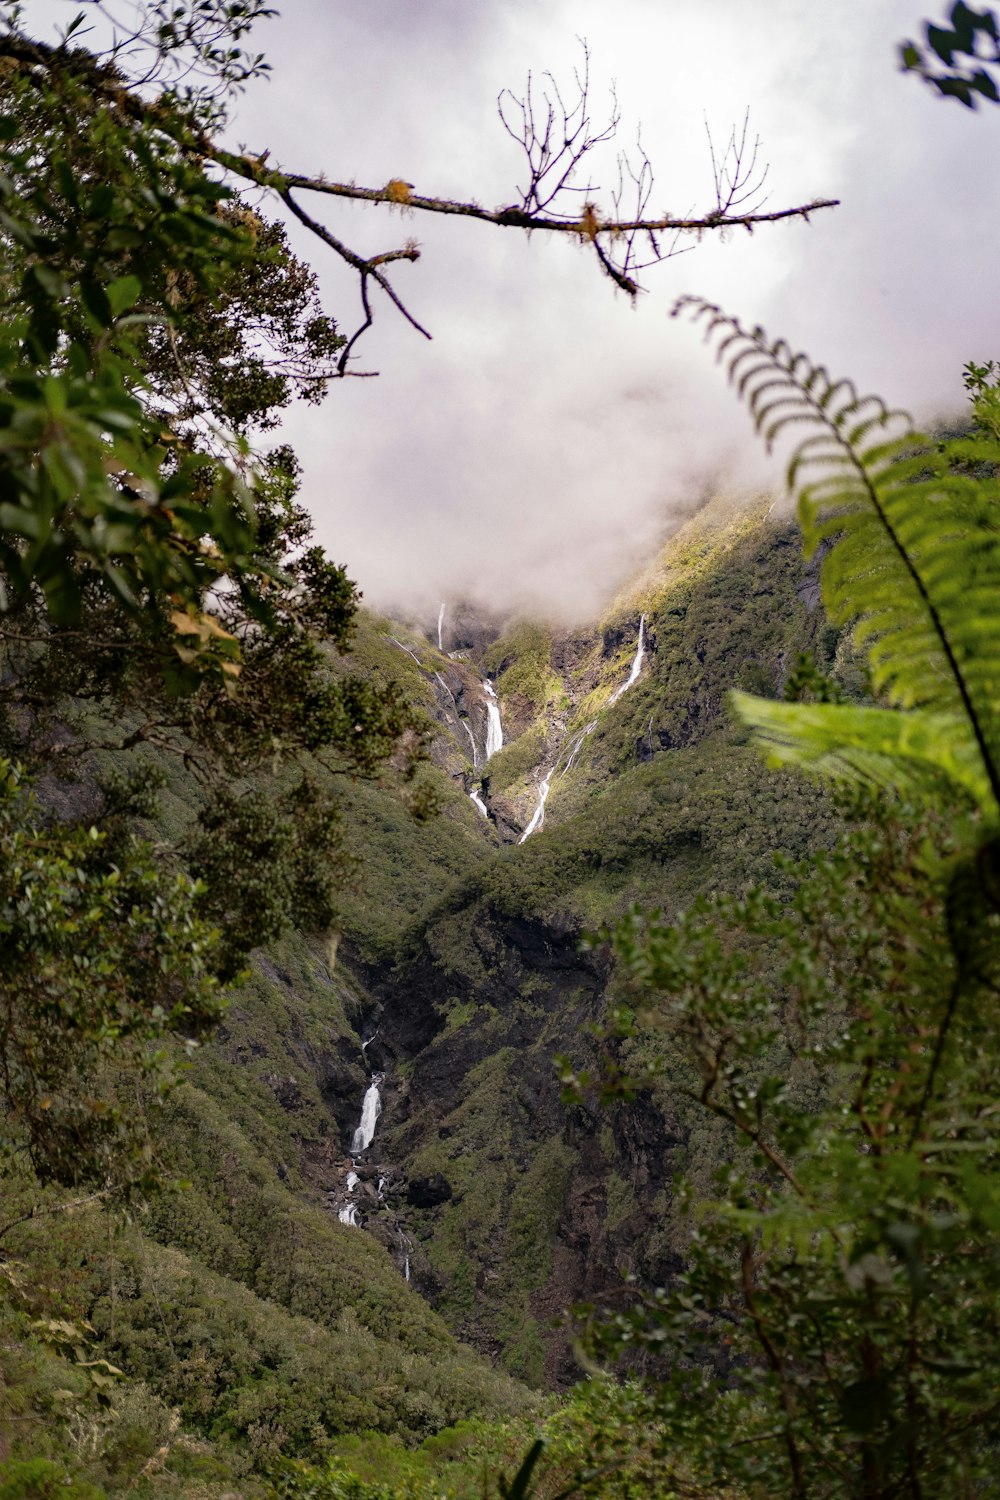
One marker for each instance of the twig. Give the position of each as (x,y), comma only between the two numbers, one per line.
(59,1208)
(555,147)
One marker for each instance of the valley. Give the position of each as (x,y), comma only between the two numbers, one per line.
(378,1126)
(536,1039)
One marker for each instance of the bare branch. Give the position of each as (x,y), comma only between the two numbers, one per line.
(365,268)
(38,1212)
(555,133)
(555,152)
(519,218)
(736,176)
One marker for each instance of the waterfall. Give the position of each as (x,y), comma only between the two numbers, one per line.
(371,1108)
(479,803)
(440,623)
(406,1268)
(636,664)
(349,1215)
(394,641)
(576,745)
(494,728)
(538,817)
(472,742)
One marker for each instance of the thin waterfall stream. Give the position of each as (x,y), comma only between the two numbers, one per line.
(633,675)
(494,741)
(371,1108)
(576,743)
(494,727)
(368,1188)
(538,816)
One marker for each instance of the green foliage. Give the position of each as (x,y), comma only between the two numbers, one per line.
(158,589)
(850,1259)
(521,662)
(844,1036)
(256,857)
(911,564)
(602,1441)
(953,57)
(516,759)
(87,481)
(105,958)
(41,1479)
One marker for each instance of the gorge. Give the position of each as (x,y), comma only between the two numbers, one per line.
(377,1144)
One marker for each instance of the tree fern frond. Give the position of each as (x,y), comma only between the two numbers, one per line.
(906,752)
(912,546)
(973,912)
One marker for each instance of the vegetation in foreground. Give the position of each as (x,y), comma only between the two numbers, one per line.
(831,1330)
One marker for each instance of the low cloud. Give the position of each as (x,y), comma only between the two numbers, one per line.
(539,449)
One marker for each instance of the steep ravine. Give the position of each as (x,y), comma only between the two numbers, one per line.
(505,1189)
(461,970)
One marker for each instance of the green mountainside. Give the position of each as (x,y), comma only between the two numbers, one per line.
(248,1321)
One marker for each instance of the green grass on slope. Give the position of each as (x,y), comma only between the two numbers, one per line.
(280,1030)
(692,820)
(521,661)
(403,864)
(727,610)
(263,1323)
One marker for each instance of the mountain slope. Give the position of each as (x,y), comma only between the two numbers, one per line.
(530,1207)
(483,1206)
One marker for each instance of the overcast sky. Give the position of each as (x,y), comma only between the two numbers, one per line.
(543,444)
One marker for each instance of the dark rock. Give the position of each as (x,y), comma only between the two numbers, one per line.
(428,1192)
(287,1091)
(343,1083)
(616,636)
(808,587)
(504,815)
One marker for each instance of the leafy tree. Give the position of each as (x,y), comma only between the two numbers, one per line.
(105,957)
(159,589)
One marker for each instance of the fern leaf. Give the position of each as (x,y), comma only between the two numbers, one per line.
(905,752)
(911,564)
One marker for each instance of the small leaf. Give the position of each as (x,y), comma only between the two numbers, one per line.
(519,1487)
(95,300)
(123,293)
(942,42)
(983,84)
(865,1404)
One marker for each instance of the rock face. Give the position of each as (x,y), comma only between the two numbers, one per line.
(428,1192)
(506,1199)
